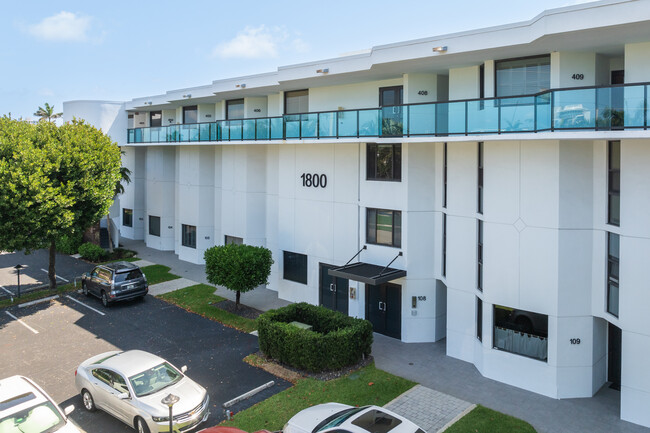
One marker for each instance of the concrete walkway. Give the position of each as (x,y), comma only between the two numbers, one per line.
(170,286)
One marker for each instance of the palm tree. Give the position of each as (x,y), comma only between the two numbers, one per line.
(125,176)
(47,113)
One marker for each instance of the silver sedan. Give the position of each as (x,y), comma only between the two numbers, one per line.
(130,386)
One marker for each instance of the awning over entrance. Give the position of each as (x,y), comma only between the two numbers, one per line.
(367,273)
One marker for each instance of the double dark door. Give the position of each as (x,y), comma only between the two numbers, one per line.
(384,309)
(614,345)
(333,290)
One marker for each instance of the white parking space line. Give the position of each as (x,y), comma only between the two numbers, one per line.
(85,305)
(21,322)
(10,294)
(61,278)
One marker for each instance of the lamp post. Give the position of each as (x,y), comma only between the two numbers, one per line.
(169,401)
(18,268)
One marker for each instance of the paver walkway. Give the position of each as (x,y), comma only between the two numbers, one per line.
(170,286)
(430,410)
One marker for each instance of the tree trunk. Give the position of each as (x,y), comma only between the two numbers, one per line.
(51,272)
(237,300)
(108,226)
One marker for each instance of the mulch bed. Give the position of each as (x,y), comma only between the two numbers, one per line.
(243,311)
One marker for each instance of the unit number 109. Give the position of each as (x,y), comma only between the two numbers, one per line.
(314,180)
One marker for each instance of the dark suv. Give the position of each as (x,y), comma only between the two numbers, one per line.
(117,281)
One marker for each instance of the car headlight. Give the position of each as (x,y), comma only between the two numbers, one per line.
(160,418)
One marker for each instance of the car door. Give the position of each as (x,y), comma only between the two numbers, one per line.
(103,281)
(92,282)
(123,409)
(104,392)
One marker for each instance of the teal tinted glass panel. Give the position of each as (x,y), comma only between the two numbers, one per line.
(543,109)
(369,123)
(277,128)
(173,132)
(292,125)
(262,126)
(204,132)
(146,135)
(131,136)
(213,131)
(574,108)
(392,121)
(308,125)
(422,119)
(348,126)
(456,117)
(236,129)
(634,101)
(249,129)
(327,124)
(518,114)
(483,116)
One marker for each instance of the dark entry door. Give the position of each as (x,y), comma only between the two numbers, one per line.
(384,309)
(614,340)
(333,290)
(390,101)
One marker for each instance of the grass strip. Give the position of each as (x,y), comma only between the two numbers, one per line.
(32,296)
(199,299)
(484,420)
(368,385)
(158,274)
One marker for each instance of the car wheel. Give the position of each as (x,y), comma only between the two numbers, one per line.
(141,426)
(105,299)
(88,401)
(84,289)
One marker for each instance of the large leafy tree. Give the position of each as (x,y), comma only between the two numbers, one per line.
(47,113)
(54,181)
(239,268)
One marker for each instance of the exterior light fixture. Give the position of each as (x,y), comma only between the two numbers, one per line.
(442,49)
(241,86)
(169,401)
(188,96)
(322,71)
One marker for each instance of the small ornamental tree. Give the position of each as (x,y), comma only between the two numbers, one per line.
(239,268)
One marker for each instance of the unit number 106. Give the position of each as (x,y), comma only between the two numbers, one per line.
(314,180)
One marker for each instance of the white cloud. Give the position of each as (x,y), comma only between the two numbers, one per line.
(259,42)
(64,26)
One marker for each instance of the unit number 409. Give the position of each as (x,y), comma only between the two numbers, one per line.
(314,180)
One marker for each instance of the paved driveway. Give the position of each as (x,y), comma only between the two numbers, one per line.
(53,338)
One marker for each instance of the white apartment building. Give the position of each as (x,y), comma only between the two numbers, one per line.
(490,187)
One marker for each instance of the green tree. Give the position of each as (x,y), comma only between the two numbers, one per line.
(47,113)
(54,181)
(239,268)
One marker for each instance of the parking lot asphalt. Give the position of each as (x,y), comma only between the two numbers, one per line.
(47,341)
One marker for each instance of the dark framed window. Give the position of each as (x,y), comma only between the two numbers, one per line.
(295,267)
(154,225)
(155,118)
(444,244)
(523,76)
(479,204)
(389,96)
(479,256)
(384,227)
(384,161)
(127,217)
(296,102)
(444,176)
(520,332)
(190,114)
(614,183)
(235,109)
(233,240)
(188,236)
(479,319)
(613,257)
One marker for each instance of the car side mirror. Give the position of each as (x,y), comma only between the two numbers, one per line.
(184,369)
(123,395)
(68,410)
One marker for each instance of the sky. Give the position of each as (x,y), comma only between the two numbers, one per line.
(119,50)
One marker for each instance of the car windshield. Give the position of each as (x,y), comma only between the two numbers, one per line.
(337,419)
(42,418)
(128,276)
(154,379)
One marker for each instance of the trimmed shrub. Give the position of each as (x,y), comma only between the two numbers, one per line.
(92,252)
(69,244)
(334,342)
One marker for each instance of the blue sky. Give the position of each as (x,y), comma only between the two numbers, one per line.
(118,50)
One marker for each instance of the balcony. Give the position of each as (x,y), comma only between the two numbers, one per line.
(587,108)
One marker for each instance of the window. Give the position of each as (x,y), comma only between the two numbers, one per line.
(389,96)
(521,332)
(127,217)
(295,267)
(479,256)
(444,176)
(384,227)
(376,421)
(235,109)
(233,240)
(155,118)
(384,161)
(613,255)
(190,114)
(479,204)
(296,102)
(614,183)
(188,236)
(154,225)
(479,319)
(523,76)
(444,244)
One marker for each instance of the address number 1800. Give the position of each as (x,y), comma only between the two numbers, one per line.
(314,180)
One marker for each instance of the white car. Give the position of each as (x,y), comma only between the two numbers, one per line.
(26,408)
(130,386)
(341,418)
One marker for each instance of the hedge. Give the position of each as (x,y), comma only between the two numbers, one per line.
(335,341)
(92,252)
(69,244)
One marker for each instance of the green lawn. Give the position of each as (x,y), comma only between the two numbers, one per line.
(484,420)
(158,274)
(368,385)
(32,296)
(198,298)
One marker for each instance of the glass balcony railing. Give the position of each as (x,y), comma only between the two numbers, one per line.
(585,108)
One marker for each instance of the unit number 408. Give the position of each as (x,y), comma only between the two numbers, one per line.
(314,180)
